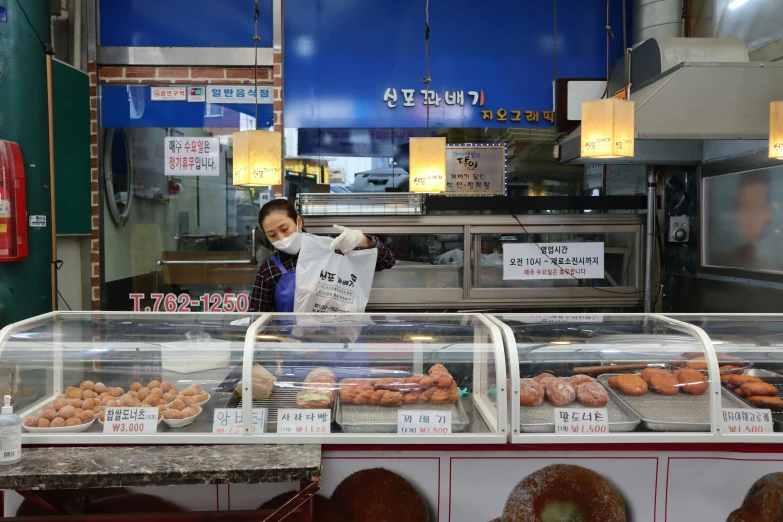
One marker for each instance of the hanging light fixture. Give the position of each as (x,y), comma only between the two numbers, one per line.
(776,130)
(427,155)
(607,128)
(428,165)
(258,155)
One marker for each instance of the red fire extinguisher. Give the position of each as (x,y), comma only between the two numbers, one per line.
(13,208)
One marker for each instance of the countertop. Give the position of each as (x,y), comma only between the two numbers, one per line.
(126,466)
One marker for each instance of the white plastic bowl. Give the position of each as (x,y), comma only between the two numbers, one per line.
(64,429)
(181,423)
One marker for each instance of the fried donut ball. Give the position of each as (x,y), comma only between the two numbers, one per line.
(73,393)
(99,388)
(168,397)
(78,411)
(49,414)
(87,417)
(66,412)
(59,422)
(87,385)
(564,492)
(76,403)
(166,386)
(664,383)
(116,392)
(89,404)
(152,400)
(559,392)
(102,416)
(764,501)
(189,412)
(89,394)
(376,495)
(178,404)
(60,403)
(143,393)
(632,385)
(31,421)
(172,414)
(592,395)
(44,423)
(136,386)
(692,382)
(531,393)
(156,391)
(73,421)
(110,402)
(96,410)
(127,402)
(189,392)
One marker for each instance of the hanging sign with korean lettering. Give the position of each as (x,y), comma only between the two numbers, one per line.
(581,421)
(476,169)
(192,156)
(241,94)
(553,261)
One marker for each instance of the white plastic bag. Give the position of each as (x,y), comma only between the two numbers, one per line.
(329,282)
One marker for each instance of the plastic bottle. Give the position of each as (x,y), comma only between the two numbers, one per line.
(10,434)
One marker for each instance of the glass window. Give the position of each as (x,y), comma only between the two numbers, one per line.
(423,261)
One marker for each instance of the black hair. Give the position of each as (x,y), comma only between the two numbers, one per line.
(277,205)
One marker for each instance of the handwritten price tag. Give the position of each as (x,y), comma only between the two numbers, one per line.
(738,420)
(228,421)
(303,422)
(122,421)
(581,421)
(423,422)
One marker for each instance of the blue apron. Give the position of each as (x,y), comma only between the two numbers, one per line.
(285,289)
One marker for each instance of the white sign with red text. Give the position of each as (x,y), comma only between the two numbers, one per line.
(423,422)
(553,261)
(192,156)
(581,421)
(293,421)
(126,421)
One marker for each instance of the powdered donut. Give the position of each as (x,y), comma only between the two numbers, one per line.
(559,393)
(577,380)
(543,376)
(592,395)
(530,393)
(763,502)
(564,492)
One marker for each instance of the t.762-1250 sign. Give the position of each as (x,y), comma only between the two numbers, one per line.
(227,302)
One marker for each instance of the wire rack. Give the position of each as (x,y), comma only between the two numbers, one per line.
(403,204)
(281,398)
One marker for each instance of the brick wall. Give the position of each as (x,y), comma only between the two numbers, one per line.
(162,76)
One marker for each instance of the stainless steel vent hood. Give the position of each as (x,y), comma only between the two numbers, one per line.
(691,102)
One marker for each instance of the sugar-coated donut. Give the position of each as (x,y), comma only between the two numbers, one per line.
(559,392)
(564,492)
(543,376)
(577,380)
(530,393)
(763,502)
(592,395)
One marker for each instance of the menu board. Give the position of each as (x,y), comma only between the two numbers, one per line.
(476,169)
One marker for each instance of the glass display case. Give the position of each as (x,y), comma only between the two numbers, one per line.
(649,378)
(749,352)
(144,378)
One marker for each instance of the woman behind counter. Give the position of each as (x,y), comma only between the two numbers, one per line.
(275,285)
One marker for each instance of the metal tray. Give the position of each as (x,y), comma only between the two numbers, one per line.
(353,418)
(541,418)
(679,412)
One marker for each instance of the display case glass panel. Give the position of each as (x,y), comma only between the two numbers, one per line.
(72,366)
(749,351)
(649,373)
(365,370)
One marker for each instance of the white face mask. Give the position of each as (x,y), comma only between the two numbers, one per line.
(291,244)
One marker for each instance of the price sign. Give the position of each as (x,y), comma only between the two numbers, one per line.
(423,422)
(303,422)
(738,420)
(581,421)
(123,421)
(228,421)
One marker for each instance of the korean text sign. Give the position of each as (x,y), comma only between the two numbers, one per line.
(424,422)
(476,169)
(228,421)
(579,421)
(123,421)
(303,422)
(192,156)
(553,261)
(740,420)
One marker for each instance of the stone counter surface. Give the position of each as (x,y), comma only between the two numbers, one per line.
(126,466)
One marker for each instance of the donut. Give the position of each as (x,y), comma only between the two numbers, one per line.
(614,382)
(378,495)
(592,395)
(647,373)
(763,502)
(559,392)
(564,492)
(542,376)
(530,393)
(692,382)
(631,384)
(664,383)
(739,380)
(577,380)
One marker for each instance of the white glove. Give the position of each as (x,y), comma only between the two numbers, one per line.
(347,240)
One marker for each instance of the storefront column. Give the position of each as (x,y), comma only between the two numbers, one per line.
(25,286)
